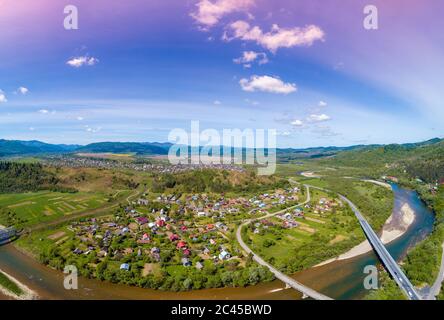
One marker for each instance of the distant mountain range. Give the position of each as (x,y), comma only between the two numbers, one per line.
(10,148)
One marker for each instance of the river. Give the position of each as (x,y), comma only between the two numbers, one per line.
(339,279)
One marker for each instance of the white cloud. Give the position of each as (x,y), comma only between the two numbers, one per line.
(80,118)
(318,117)
(277,37)
(3,97)
(21,90)
(251,56)
(322,103)
(209,13)
(267,84)
(46,111)
(92,130)
(78,62)
(217,102)
(31,128)
(297,123)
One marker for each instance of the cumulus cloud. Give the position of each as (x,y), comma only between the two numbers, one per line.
(297,123)
(322,103)
(267,84)
(3,97)
(21,90)
(208,13)
(250,56)
(78,62)
(318,117)
(277,38)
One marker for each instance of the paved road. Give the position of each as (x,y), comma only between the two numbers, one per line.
(389,263)
(284,278)
(436,287)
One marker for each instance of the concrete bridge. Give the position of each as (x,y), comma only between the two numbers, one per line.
(388,261)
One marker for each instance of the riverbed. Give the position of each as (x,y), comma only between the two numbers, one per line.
(339,279)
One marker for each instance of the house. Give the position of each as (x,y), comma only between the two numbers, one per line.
(174,237)
(199,265)
(125,266)
(142,202)
(202,214)
(186,262)
(287,216)
(77,251)
(142,220)
(186,252)
(224,255)
(181,245)
(160,223)
(151,225)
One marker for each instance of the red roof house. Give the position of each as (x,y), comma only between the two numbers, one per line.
(174,237)
(160,223)
(181,244)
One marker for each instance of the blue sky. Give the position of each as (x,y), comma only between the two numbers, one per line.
(133,72)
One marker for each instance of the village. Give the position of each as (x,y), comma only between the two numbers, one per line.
(165,232)
(142,164)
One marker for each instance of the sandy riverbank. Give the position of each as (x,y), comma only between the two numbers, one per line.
(395,226)
(310,174)
(28,294)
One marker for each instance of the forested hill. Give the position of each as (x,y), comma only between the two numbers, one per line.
(423,160)
(22,177)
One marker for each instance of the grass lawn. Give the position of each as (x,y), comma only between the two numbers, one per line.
(9,285)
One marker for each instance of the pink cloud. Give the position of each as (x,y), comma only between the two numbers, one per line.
(210,12)
(278,37)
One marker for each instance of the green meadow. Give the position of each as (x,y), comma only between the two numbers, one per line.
(36,207)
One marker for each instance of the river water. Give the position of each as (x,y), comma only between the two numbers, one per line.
(339,280)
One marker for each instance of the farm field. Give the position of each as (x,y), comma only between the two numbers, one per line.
(36,207)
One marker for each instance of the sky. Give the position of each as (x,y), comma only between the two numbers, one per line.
(135,70)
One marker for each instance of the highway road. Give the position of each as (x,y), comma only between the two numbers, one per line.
(388,261)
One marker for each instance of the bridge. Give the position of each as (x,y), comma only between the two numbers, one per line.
(289,282)
(390,264)
(388,261)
